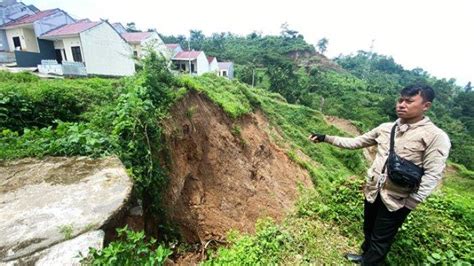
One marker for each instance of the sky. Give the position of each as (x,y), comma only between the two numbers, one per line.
(436,35)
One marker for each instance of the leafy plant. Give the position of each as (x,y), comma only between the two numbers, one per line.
(131,249)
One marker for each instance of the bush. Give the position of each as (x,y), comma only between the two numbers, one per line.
(131,249)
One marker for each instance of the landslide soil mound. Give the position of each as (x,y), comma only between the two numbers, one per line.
(225,173)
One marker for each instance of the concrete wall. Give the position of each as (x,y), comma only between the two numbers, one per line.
(3,41)
(32,59)
(106,53)
(202,64)
(66,44)
(28,40)
(7,57)
(213,66)
(56,20)
(14,33)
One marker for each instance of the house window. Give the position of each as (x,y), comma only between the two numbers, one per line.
(16,43)
(135,53)
(224,73)
(192,68)
(59,56)
(183,67)
(76,54)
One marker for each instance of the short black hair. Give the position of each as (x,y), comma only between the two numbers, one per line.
(425,91)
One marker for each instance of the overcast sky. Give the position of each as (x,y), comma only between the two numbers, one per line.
(435,35)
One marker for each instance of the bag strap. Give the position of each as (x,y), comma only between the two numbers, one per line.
(392,138)
(392,146)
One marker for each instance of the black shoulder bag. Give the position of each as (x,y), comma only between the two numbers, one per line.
(400,171)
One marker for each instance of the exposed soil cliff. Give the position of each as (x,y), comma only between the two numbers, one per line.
(225,174)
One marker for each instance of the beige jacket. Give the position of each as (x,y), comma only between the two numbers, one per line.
(422,143)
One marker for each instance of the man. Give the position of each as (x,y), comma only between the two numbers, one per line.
(386,204)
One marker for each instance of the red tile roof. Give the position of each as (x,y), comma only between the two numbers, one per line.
(172,46)
(135,36)
(210,59)
(72,29)
(187,55)
(28,19)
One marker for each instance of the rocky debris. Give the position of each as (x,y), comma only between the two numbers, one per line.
(225,174)
(69,252)
(44,202)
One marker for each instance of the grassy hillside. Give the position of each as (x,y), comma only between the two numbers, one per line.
(438,231)
(122,117)
(361,87)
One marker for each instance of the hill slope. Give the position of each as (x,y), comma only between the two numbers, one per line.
(130,122)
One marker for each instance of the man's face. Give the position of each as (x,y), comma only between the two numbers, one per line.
(411,107)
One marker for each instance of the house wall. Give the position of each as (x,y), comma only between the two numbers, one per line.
(105,52)
(7,14)
(67,43)
(31,40)
(230,72)
(137,48)
(13,33)
(186,64)
(154,42)
(202,64)
(213,66)
(60,46)
(28,39)
(33,59)
(3,41)
(56,20)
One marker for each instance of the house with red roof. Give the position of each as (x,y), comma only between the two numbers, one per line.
(192,62)
(173,49)
(9,11)
(97,45)
(141,42)
(22,33)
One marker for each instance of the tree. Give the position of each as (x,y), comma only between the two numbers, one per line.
(131,27)
(322,45)
(197,39)
(286,32)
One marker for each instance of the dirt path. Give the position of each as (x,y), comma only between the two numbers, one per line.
(347,126)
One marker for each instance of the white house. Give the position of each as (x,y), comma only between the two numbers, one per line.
(142,41)
(226,69)
(213,65)
(96,44)
(193,62)
(11,10)
(22,34)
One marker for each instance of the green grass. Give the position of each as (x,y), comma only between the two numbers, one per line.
(120,117)
(439,231)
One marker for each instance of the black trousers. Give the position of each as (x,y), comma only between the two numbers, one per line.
(380,228)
